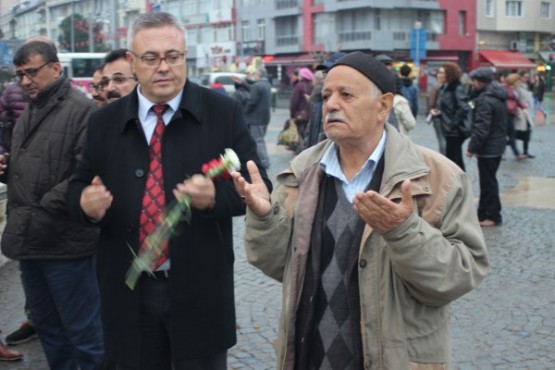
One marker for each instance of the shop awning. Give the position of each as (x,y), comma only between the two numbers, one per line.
(291,60)
(504,59)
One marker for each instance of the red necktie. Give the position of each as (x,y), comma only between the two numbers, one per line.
(154,198)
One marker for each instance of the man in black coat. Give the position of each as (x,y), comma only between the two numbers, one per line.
(488,141)
(182,316)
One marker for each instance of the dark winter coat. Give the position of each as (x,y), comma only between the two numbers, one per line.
(257,112)
(46,146)
(410,92)
(452,103)
(12,103)
(201,253)
(489,126)
(299,101)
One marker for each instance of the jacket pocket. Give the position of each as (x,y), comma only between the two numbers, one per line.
(41,232)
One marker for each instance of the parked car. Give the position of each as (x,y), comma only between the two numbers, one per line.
(222,77)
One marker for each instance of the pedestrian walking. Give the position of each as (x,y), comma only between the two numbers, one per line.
(450,110)
(56,255)
(402,109)
(299,107)
(257,112)
(370,257)
(514,103)
(436,123)
(409,89)
(488,141)
(181,313)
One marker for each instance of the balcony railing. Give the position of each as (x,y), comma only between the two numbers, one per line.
(285,4)
(346,36)
(286,40)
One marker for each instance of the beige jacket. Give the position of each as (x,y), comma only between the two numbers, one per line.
(407,277)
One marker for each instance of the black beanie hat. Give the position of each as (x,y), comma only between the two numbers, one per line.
(374,70)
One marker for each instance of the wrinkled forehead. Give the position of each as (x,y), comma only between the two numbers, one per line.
(158,40)
(119,66)
(345,77)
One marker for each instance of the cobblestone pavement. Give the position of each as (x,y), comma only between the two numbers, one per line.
(508,322)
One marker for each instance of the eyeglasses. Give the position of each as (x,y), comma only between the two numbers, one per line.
(29,72)
(117,80)
(95,87)
(173,58)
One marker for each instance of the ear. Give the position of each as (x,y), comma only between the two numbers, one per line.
(385,105)
(131,59)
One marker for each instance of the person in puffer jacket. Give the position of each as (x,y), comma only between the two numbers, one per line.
(488,141)
(12,103)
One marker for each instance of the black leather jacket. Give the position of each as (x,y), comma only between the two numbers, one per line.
(452,102)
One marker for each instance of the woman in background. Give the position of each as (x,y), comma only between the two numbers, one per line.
(514,102)
(450,109)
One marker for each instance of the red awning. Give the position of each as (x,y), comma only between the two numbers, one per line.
(504,59)
(290,60)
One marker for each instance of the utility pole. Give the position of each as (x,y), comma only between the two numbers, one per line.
(91,35)
(72,27)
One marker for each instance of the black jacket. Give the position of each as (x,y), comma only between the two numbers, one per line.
(489,124)
(452,102)
(46,146)
(201,254)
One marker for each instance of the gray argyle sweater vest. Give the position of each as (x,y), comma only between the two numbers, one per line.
(328,318)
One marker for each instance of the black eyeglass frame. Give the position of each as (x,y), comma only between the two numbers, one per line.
(29,72)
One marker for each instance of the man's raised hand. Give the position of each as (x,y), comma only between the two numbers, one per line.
(255,194)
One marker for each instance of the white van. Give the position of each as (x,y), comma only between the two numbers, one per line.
(224,78)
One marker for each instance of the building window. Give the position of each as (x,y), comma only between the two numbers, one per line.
(545,9)
(261,29)
(514,8)
(245,31)
(489,8)
(462,23)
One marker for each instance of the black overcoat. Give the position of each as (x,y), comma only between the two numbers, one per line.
(203,307)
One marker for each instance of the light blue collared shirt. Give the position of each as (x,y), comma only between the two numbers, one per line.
(148,117)
(331,166)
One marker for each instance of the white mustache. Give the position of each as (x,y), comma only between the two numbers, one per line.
(334,116)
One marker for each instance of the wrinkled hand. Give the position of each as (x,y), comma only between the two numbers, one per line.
(382,214)
(200,190)
(255,194)
(95,199)
(3,163)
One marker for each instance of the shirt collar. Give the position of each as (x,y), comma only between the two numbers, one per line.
(145,105)
(330,161)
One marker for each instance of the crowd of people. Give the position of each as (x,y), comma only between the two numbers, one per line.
(90,180)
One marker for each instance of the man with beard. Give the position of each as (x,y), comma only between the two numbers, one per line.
(117,78)
(97,89)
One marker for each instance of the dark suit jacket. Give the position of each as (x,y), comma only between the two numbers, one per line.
(201,255)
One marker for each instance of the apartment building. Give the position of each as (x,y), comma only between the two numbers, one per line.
(227,34)
(294,33)
(513,32)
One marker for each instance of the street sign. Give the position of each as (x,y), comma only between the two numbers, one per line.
(417,44)
(7,51)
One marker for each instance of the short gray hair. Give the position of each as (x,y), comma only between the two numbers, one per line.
(153,20)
